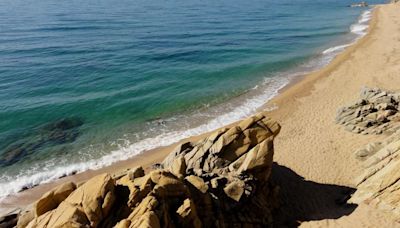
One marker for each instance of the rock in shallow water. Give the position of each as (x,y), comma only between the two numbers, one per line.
(220,181)
(61,131)
(64,124)
(56,133)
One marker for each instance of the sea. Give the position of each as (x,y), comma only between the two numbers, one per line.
(85,84)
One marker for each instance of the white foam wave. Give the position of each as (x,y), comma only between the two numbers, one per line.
(360,28)
(365,17)
(335,49)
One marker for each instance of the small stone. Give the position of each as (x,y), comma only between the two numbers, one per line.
(136,172)
(197,182)
(235,190)
(188,215)
(179,167)
(218,182)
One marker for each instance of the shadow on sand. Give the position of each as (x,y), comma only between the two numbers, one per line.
(303,200)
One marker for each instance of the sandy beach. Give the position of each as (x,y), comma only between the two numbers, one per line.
(310,143)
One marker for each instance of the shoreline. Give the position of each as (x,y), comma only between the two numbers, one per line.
(297,82)
(298,87)
(301,86)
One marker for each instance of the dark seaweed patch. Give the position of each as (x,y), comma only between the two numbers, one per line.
(62,131)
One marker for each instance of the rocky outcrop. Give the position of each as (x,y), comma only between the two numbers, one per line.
(220,181)
(232,167)
(376,112)
(380,183)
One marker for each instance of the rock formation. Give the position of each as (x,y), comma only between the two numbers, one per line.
(376,112)
(380,183)
(220,181)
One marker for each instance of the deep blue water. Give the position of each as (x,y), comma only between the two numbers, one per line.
(87,83)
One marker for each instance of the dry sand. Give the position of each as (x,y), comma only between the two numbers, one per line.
(311,145)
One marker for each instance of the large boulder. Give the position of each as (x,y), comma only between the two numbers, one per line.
(52,199)
(88,205)
(229,171)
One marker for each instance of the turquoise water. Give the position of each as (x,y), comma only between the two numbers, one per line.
(86,83)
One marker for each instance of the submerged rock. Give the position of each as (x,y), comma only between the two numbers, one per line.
(56,133)
(13,154)
(376,112)
(220,181)
(64,124)
(61,131)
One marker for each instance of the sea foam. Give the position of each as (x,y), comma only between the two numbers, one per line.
(359,29)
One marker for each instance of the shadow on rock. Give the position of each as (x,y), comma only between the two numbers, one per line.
(302,200)
(62,131)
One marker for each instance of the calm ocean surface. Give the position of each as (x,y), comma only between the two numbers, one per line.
(84,84)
